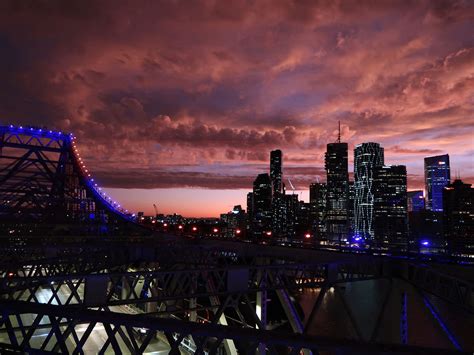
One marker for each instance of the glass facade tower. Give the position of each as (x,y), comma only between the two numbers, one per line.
(317,200)
(261,205)
(337,218)
(437,176)
(390,207)
(367,158)
(276,170)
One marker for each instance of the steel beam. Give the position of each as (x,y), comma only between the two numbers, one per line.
(244,335)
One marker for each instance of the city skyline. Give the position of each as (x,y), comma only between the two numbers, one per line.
(238,196)
(181,109)
(237,177)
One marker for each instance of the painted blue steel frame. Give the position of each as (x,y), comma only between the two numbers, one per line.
(44,181)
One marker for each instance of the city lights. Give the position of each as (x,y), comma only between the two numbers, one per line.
(294,167)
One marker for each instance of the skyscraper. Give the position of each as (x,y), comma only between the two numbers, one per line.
(284,214)
(291,210)
(337,222)
(458,199)
(367,157)
(276,170)
(233,221)
(250,206)
(416,201)
(426,226)
(279,207)
(390,224)
(437,176)
(350,206)
(317,200)
(279,216)
(303,220)
(262,205)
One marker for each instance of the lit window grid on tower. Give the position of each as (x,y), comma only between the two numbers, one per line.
(367,157)
(437,176)
(337,217)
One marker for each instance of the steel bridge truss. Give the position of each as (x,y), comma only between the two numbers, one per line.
(45,189)
(68,331)
(59,288)
(57,305)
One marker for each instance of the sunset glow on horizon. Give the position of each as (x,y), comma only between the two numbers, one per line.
(180,103)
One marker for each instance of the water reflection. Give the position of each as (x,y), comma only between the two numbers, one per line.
(373,309)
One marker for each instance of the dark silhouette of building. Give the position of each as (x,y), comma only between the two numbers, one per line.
(390,207)
(317,200)
(350,207)
(290,203)
(426,230)
(280,213)
(276,162)
(234,222)
(337,219)
(249,213)
(458,205)
(261,205)
(437,176)
(285,216)
(303,221)
(367,158)
(415,200)
(279,216)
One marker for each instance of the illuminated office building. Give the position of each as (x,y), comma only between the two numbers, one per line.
(317,200)
(458,199)
(416,201)
(437,176)
(390,217)
(276,161)
(367,158)
(337,219)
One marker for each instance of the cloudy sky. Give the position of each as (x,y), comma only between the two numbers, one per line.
(178,103)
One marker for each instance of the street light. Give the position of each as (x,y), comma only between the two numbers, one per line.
(307,235)
(237,231)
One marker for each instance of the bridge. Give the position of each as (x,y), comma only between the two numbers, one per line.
(79,275)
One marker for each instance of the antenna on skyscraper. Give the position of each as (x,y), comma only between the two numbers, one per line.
(339,133)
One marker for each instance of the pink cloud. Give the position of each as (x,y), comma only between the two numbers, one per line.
(156,85)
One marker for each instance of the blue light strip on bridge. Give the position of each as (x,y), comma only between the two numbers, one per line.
(442,324)
(70,138)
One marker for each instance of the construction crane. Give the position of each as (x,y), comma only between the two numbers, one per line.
(293,188)
(291,185)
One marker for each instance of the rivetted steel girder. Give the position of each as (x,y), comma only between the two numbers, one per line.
(152,285)
(212,254)
(201,332)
